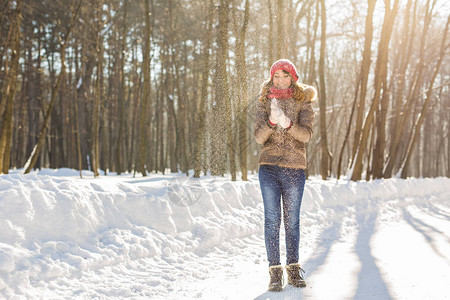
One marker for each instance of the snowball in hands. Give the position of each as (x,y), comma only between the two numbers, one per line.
(277,115)
(275,112)
(284,121)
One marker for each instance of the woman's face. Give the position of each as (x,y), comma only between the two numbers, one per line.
(281,80)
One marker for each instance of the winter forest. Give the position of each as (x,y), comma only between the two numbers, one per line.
(172,85)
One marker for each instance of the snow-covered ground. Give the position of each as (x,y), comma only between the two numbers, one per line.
(173,237)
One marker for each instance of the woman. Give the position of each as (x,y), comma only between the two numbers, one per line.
(284,120)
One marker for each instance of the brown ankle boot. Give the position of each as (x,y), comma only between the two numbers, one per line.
(276,278)
(295,277)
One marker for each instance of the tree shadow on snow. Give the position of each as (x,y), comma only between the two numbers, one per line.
(370,282)
(327,239)
(427,231)
(435,211)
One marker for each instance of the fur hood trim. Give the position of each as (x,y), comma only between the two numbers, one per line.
(310,93)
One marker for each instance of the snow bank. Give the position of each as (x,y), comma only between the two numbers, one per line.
(342,193)
(55,225)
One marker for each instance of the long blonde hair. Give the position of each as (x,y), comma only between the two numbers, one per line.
(299,88)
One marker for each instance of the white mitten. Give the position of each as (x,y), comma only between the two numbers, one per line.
(275,112)
(284,121)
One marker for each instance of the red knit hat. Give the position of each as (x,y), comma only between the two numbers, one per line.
(284,64)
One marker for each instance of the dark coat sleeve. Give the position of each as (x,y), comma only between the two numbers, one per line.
(263,129)
(302,130)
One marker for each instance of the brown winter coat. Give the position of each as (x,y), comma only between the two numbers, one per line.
(285,147)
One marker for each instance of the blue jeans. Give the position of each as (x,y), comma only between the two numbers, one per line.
(287,184)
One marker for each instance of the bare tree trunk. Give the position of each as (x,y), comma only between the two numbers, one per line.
(187,92)
(280,25)
(6,88)
(134,111)
(312,48)
(416,129)
(97,95)
(222,107)
(77,131)
(439,138)
(447,112)
(365,68)
(380,143)
(43,132)
(241,68)
(427,140)
(182,124)
(324,168)
(142,155)
(7,114)
(271,39)
(201,117)
(380,73)
(59,129)
(347,133)
(224,89)
(122,91)
(372,138)
(404,57)
(3,11)
(23,104)
(173,134)
(161,144)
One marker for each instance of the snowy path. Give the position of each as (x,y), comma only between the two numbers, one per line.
(394,250)
(122,237)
